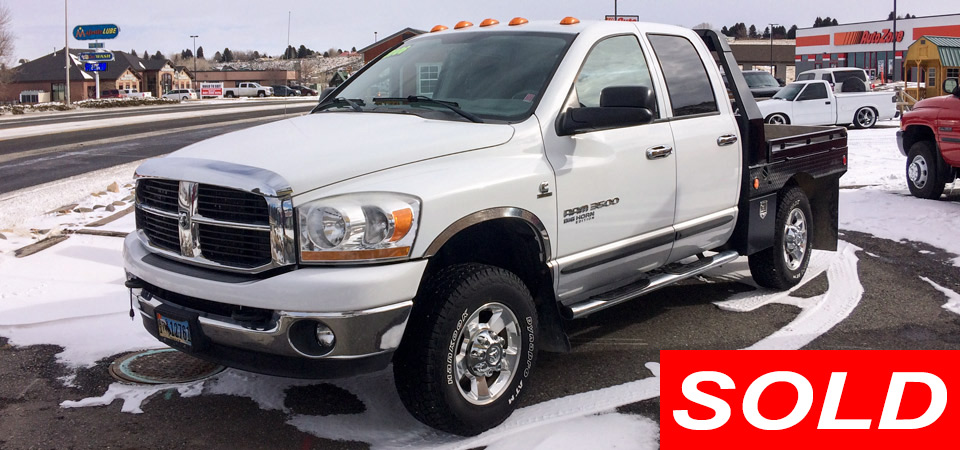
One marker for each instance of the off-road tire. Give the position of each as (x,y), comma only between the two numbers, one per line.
(440,312)
(929,184)
(769,267)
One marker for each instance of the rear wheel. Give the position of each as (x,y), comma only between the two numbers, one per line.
(783,265)
(923,176)
(865,117)
(778,119)
(469,349)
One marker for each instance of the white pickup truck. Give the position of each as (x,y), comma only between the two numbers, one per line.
(133,93)
(814,103)
(248,90)
(521,177)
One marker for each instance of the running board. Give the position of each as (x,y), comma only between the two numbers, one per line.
(616,297)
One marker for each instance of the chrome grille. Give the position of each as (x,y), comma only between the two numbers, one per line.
(211,225)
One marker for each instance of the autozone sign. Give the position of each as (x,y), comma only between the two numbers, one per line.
(866,37)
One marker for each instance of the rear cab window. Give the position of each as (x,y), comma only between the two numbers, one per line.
(688,84)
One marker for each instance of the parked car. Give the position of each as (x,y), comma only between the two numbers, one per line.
(760,82)
(304,90)
(248,90)
(455,247)
(133,93)
(110,93)
(181,94)
(929,137)
(814,103)
(285,91)
(859,81)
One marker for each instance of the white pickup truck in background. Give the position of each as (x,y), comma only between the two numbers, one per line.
(133,93)
(814,103)
(248,90)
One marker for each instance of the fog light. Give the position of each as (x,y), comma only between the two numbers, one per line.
(325,337)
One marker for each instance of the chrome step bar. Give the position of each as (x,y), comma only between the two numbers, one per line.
(604,301)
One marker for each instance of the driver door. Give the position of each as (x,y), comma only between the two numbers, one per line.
(814,106)
(616,188)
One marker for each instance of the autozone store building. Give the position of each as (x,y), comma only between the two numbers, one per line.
(869,45)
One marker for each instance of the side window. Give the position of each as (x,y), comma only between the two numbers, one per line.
(615,61)
(688,84)
(805,76)
(814,91)
(827,77)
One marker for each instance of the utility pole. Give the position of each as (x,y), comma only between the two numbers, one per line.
(195,63)
(893,76)
(773,68)
(66,53)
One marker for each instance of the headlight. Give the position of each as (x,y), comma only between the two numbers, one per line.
(358,228)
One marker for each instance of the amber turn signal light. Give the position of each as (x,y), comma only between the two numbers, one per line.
(518,21)
(438,28)
(569,21)
(462,24)
(489,22)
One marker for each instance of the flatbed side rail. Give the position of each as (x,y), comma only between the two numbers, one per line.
(792,141)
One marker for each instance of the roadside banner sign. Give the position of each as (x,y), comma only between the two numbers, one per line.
(622,18)
(95,45)
(211,89)
(95,67)
(95,32)
(96,56)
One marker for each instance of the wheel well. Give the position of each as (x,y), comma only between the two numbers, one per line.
(917,133)
(785,116)
(515,245)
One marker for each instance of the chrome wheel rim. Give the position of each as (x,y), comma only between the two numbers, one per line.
(778,119)
(795,239)
(866,117)
(488,353)
(917,171)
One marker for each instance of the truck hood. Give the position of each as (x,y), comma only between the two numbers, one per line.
(316,150)
(941,102)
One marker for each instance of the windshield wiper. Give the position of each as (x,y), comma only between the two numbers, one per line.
(353,103)
(452,106)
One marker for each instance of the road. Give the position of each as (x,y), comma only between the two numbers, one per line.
(36,159)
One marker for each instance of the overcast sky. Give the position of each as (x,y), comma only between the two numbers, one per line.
(38,25)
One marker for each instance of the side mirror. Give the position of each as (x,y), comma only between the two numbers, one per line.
(620,106)
(950,86)
(326,92)
(781,82)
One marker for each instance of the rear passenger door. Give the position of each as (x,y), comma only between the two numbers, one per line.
(706,145)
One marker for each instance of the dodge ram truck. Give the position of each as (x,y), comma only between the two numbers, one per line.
(458,200)
(929,137)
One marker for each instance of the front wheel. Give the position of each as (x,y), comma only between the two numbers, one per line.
(865,118)
(469,349)
(783,265)
(261,94)
(778,119)
(922,174)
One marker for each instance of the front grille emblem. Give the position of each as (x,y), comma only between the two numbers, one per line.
(186,209)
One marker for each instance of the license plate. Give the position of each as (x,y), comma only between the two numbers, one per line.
(175,330)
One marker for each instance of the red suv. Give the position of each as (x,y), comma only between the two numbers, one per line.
(929,137)
(110,93)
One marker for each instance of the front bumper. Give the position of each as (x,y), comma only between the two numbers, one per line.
(365,307)
(900,143)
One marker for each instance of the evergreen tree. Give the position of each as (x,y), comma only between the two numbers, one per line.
(326,54)
(133,52)
(227,55)
(200,52)
(158,56)
(724,31)
(818,23)
(753,32)
(145,55)
(302,52)
(792,32)
(256,54)
(353,49)
(217,57)
(766,33)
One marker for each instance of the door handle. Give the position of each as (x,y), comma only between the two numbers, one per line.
(660,151)
(826,103)
(727,139)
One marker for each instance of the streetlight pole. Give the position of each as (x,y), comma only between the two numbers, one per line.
(195,63)
(773,68)
(893,76)
(66,54)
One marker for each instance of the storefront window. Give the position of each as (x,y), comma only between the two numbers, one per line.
(57,93)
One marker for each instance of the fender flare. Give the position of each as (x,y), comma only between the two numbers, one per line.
(492,214)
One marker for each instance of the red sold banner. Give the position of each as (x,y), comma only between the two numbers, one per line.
(809,399)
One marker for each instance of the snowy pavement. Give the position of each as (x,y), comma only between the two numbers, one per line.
(59,295)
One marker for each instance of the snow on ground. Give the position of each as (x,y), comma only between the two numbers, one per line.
(56,295)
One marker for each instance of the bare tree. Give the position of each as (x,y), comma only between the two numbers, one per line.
(6,44)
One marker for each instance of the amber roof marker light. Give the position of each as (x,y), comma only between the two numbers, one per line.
(438,28)
(569,21)
(518,21)
(489,22)
(462,24)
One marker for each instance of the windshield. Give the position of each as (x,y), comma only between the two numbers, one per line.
(760,79)
(498,76)
(789,92)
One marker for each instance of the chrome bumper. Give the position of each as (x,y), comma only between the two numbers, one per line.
(359,334)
